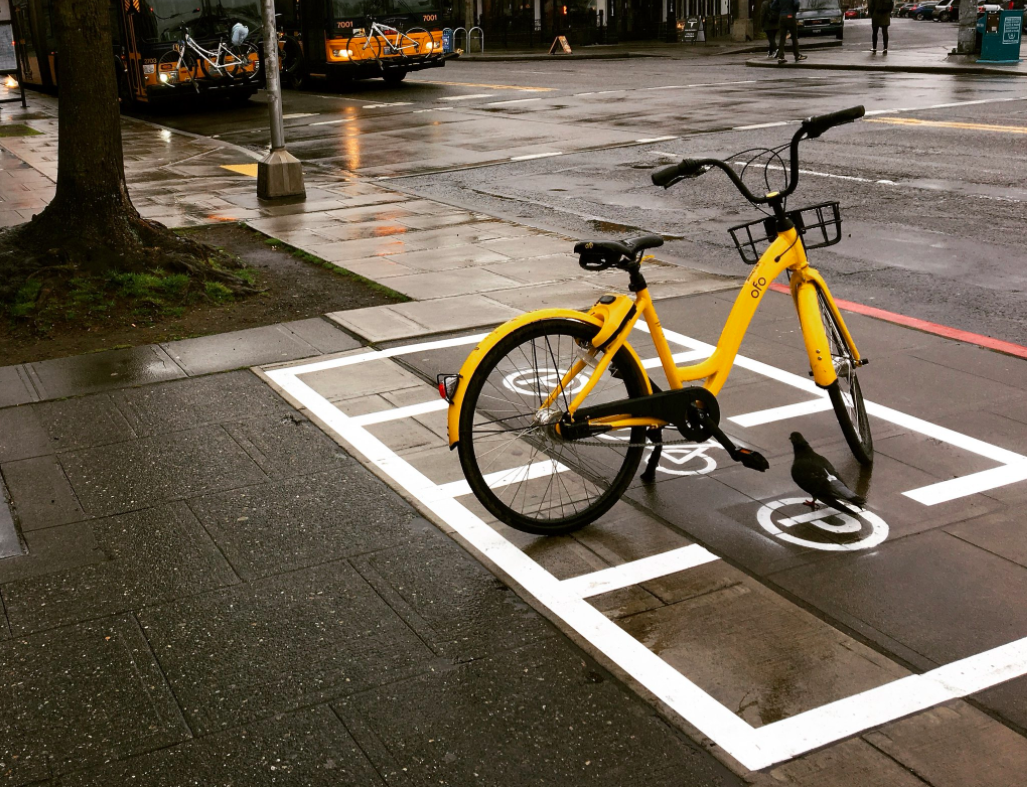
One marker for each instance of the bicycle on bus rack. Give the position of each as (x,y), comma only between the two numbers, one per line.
(189,62)
(551,413)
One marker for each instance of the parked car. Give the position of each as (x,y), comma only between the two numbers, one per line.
(947,11)
(902,9)
(820,16)
(852,13)
(922,11)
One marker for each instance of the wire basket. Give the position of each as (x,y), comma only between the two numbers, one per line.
(818,225)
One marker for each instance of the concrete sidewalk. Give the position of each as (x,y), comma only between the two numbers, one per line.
(929,60)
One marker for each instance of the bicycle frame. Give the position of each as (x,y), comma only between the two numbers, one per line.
(785,253)
(376,30)
(205,54)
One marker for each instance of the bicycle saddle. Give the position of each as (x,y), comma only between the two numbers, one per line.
(613,252)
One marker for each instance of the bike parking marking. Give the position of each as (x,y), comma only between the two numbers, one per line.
(754,748)
(844,525)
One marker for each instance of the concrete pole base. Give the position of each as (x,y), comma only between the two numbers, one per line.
(280,174)
(966,40)
(741,30)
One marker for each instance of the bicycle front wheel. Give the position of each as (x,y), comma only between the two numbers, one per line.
(516,464)
(846,396)
(174,68)
(243,62)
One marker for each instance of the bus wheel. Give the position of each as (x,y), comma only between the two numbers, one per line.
(394,77)
(294,70)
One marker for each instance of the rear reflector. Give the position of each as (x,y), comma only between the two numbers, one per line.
(447,386)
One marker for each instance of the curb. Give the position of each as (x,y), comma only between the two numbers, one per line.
(893,69)
(811,45)
(547,56)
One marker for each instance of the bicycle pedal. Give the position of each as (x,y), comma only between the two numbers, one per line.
(753,459)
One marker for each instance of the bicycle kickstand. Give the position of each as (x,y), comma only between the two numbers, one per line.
(656,438)
(748,457)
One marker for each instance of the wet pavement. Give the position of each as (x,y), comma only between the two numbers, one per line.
(283,566)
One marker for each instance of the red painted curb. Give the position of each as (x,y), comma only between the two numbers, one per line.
(927,327)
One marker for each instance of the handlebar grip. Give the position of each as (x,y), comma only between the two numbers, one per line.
(688,168)
(815,126)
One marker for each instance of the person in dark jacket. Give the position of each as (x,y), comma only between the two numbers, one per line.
(770,17)
(787,25)
(880,18)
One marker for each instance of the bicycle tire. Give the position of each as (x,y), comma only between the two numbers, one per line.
(420,49)
(294,69)
(497,430)
(845,393)
(243,56)
(172,63)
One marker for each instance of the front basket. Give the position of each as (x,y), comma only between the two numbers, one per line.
(818,225)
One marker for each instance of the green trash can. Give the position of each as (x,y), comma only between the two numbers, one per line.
(1000,41)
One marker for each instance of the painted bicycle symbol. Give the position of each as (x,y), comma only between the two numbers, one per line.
(679,460)
(823,528)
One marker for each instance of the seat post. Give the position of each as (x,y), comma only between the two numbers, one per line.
(636,281)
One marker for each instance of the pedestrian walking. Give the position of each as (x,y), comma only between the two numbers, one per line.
(880,19)
(787,26)
(770,18)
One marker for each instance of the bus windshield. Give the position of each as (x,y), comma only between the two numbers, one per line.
(359,9)
(166,20)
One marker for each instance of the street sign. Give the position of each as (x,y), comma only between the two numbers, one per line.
(692,30)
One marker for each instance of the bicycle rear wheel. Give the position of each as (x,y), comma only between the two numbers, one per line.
(845,393)
(516,464)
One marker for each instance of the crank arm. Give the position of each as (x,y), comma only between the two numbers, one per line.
(748,457)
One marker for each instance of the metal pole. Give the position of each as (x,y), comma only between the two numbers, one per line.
(280,174)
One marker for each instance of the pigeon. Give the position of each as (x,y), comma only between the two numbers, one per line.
(816,477)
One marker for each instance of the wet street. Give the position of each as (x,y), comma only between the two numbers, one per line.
(931,186)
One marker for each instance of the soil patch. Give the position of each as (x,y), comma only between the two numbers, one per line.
(294,286)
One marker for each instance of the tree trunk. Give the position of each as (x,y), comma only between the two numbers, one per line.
(966,43)
(91,225)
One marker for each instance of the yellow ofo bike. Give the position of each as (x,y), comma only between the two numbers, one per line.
(552,411)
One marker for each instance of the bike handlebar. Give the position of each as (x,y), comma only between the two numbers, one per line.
(811,128)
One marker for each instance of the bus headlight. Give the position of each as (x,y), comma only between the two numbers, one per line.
(344,54)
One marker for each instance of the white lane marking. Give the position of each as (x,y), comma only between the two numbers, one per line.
(332,122)
(763,125)
(638,571)
(846,717)
(294,115)
(972,484)
(388,104)
(374,355)
(654,674)
(655,139)
(950,105)
(783,413)
(513,101)
(775,167)
(408,411)
(467,98)
(432,109)
(536,155)
(506,477)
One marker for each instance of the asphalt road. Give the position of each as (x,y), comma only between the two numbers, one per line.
(931,187)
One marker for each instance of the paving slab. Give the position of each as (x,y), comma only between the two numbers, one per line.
(941,596)
(849,763)
(288,446)
(15,387)
(151,556)
(276,528)
(42,494)
(9,542)
(955,745)
(321,335)
(497,721)
(83,374)
(222,398)
(279,644)
(53,549)
(455,605)
(310,747)
(225,351)
(151,470)
(444,315)
(77,697)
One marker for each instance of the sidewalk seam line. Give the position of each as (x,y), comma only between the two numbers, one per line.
(167,683)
